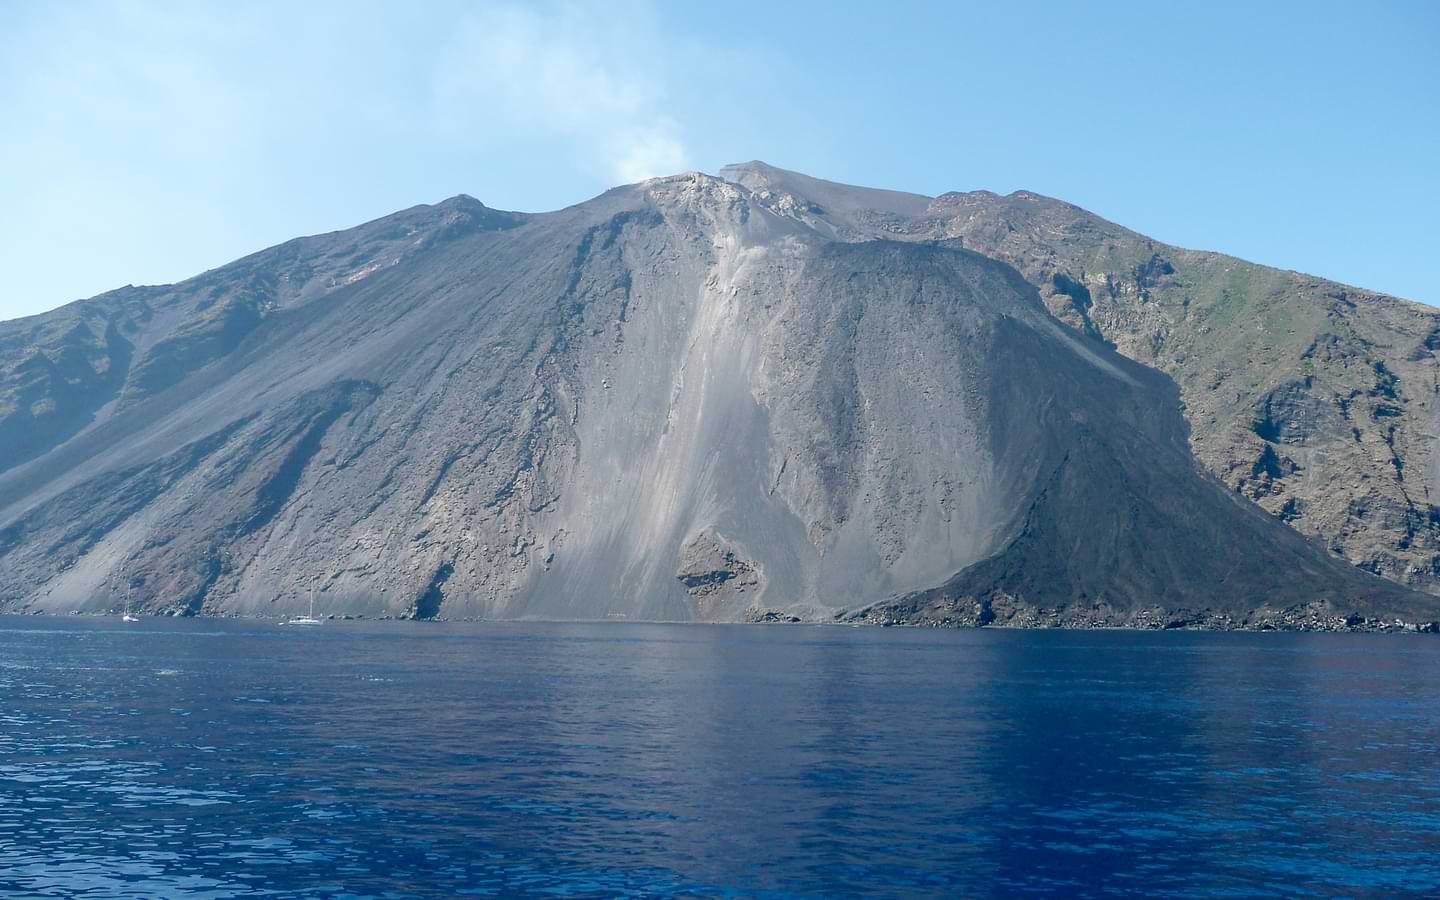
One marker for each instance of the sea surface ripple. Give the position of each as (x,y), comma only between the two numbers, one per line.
(210,758)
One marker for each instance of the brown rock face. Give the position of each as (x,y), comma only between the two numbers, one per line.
(718,578)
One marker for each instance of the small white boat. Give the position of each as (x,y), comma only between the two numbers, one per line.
(126,617)
(306,620)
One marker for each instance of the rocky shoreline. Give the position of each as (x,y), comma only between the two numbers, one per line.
(995,613)
(1004,611)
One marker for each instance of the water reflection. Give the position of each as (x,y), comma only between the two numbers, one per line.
(227,759)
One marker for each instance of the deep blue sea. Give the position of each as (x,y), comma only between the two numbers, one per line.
(209,758)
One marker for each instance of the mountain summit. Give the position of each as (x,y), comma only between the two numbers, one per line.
(750,397)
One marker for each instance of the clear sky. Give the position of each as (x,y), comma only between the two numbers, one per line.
(146,142)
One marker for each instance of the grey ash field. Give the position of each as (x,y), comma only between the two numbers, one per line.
(753,397)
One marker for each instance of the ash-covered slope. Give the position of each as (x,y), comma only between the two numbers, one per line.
(678,401)
(1318,401)
(63,371)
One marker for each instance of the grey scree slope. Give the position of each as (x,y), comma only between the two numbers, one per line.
(688,399)
(1317,400)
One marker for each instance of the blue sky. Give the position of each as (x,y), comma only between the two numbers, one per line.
(146,142)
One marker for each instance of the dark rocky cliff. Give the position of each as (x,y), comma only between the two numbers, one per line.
(683,400)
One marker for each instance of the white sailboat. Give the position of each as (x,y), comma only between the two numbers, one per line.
(306,620)
(126,617)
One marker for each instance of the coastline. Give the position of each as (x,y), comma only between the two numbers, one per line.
(1302,620)
(1003,611)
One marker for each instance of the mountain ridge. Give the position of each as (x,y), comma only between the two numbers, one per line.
(686,399)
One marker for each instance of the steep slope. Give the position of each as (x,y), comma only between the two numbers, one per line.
(1316,400)
(676,401)
(62,371)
